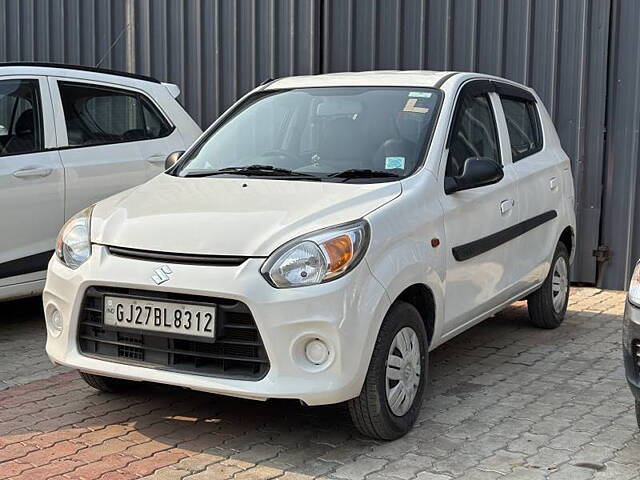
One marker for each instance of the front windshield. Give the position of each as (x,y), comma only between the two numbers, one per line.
(321,133)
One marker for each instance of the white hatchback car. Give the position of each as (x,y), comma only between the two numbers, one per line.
(318,240)
(70,136)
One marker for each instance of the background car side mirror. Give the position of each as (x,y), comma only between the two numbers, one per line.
(172,159)
(477,172)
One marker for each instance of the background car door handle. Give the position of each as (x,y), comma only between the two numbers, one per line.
(553,183)
(32,172)
(156,159)
(506,206)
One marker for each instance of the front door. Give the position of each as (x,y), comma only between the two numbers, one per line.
(479,277)
(31,180)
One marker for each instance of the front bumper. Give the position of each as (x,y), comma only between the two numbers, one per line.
(631,347)
(345,313)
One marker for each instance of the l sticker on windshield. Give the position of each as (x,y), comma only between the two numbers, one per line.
(411,107)
(392,163)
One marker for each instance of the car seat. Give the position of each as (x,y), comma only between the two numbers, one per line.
(340,142)
(24,139)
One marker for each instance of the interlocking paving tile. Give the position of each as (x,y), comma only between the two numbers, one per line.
(505,401)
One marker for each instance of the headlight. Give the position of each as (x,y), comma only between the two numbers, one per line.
(317,257)
(634,287)
(73,245)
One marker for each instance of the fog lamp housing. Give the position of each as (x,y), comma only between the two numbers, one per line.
(316,351)
(55,325)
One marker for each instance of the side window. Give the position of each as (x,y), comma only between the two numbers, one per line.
(20,120)
(523,125)
(96,115)
(474,133)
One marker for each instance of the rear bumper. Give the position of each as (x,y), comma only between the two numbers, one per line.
(631,347)
(345,313)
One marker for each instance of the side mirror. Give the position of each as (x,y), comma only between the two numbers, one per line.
(477,172)
(172,159)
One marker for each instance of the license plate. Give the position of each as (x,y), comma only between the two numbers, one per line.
(167,317)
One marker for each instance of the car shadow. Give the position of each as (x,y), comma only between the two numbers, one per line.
(20,311)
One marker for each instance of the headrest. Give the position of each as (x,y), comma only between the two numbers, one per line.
(24,125)
(409,125)
(340,138)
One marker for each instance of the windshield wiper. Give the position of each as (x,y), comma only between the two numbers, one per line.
(362,173)
(256,170)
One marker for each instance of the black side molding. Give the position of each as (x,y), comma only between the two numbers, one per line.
(22,266)
(482,245)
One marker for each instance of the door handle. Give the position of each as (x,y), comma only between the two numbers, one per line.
(553,183)
(506,206)
(32,172)
(156,159)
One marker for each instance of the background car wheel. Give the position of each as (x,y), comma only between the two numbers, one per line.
(548,304)
(390,400)
(106,384)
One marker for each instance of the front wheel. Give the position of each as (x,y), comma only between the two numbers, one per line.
(548,304)
(390,400)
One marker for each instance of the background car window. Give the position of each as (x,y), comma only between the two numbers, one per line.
(20,126)
(523,126)
(97,115)
(474,134)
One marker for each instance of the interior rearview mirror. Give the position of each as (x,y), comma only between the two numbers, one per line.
(172,159)
(477,172)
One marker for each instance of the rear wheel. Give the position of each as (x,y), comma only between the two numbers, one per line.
(390,400)
(107,384)
(548,304)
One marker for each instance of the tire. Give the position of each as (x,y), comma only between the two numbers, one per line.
(371,411)
(546,310)
(107,384)
(638,412)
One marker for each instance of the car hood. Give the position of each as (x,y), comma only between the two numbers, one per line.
(229,216)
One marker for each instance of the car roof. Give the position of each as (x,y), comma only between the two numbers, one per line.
(388,78)
(43,68)
(391,78)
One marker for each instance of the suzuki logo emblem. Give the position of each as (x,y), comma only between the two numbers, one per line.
(161,275)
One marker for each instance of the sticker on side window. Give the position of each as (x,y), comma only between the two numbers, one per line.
(392,163)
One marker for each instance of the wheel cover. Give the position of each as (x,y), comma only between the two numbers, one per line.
(559,284)
(403,371)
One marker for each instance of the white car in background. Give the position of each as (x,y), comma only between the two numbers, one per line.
(317,242)
(70,136)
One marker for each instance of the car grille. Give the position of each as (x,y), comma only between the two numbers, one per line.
(236,352)
(183,258)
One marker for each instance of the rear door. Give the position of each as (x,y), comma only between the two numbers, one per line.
(31,180)
(112,138)
(540,183)
(477,221)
